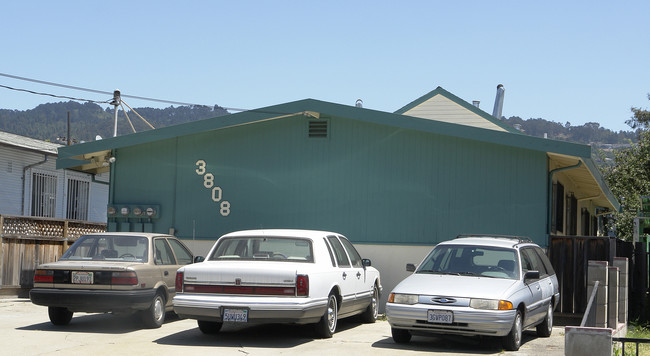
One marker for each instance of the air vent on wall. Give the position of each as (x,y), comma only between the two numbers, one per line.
(318,128)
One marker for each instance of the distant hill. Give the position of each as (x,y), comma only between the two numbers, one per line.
(588,133)
(49,121)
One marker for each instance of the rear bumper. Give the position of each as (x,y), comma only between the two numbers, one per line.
(98,301)
(260,309)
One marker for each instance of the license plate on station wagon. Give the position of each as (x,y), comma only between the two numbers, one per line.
(440,316)
(235,315)
(82,277)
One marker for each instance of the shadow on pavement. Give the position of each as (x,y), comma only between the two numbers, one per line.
(274,336)
(105,323)
(452,343)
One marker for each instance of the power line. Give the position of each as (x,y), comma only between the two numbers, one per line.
(56,96)
(99,92)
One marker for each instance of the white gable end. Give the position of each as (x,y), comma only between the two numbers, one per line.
(440,108)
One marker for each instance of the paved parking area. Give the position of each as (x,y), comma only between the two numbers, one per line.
(25,330)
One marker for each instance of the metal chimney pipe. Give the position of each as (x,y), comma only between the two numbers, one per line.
(498,102)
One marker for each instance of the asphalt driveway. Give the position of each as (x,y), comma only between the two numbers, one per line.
(26,330)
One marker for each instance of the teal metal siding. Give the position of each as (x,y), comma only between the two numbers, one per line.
(375,183)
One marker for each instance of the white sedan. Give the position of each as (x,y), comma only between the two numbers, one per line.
(278,276)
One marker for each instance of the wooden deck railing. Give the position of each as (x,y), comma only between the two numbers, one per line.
(28,241)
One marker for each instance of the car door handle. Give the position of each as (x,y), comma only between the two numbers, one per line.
(345,275)
(358,275)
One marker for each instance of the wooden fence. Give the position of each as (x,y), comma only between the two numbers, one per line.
(28,241)
(570,256)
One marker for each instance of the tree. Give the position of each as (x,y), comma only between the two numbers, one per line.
(629,177)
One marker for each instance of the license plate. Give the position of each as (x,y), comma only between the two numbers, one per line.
(440,316)
(82,277)
(235,315)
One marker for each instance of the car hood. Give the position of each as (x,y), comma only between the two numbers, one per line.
(88,265)
(456,286)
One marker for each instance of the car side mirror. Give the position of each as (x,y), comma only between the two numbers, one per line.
(410,267)
(366,262)
(531,275)
(198,259)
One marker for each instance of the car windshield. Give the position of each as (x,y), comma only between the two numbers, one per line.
(108,248)
(263,248)
(468,260)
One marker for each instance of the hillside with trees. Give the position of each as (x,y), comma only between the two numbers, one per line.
(49,121)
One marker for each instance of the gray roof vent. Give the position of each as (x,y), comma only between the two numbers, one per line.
(318,128)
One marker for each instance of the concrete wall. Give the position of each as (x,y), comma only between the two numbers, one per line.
(587,341)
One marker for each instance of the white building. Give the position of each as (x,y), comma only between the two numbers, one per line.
(30,184)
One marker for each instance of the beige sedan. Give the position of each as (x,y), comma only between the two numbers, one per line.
(120,272)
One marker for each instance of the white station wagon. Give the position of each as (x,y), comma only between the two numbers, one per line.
(278,276)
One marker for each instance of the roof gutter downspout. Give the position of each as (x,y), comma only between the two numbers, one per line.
(22,206)
(550,192)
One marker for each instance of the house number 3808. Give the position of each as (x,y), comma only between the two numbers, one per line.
(215,191)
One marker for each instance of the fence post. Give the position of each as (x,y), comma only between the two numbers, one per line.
(623,288)
(597,271)
(612,297)
(639,287)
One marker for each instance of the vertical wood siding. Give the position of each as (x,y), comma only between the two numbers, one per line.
(374,183)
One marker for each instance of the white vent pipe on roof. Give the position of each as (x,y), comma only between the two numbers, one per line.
(498,102)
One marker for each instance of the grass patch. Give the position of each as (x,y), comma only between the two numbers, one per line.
(638,332)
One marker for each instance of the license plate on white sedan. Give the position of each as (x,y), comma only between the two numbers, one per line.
(440,316)
(235,315)
(82,277)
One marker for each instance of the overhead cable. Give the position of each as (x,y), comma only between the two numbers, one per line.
(101,92)
(56,96)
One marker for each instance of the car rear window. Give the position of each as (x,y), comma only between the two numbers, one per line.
(263,248)
(108,248)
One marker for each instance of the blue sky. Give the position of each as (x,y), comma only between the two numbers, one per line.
(563,61)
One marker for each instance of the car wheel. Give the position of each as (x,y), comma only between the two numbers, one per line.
(326,327)
(59,315)
(512,341)
(154,316)
(371,312)
(209,327)
(546,327)
(400,336)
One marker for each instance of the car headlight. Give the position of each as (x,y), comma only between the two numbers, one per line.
(490,304)
(398,298)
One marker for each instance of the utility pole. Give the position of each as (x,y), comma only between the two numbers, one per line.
(69,139)
(116,102)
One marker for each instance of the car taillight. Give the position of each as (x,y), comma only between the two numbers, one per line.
(124,278)
(302,285)
(179,282)
(44,276)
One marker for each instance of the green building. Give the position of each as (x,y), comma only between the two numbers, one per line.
(394,183)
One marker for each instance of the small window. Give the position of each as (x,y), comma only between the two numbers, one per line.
(78,193)
(532,262)
(163,253)
(352,252)
(44,194)
(183,256)
(339,252)
(545,260)
(329,249)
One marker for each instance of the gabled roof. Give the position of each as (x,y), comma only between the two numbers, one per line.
(93,156)
(28,143)
(441,105)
